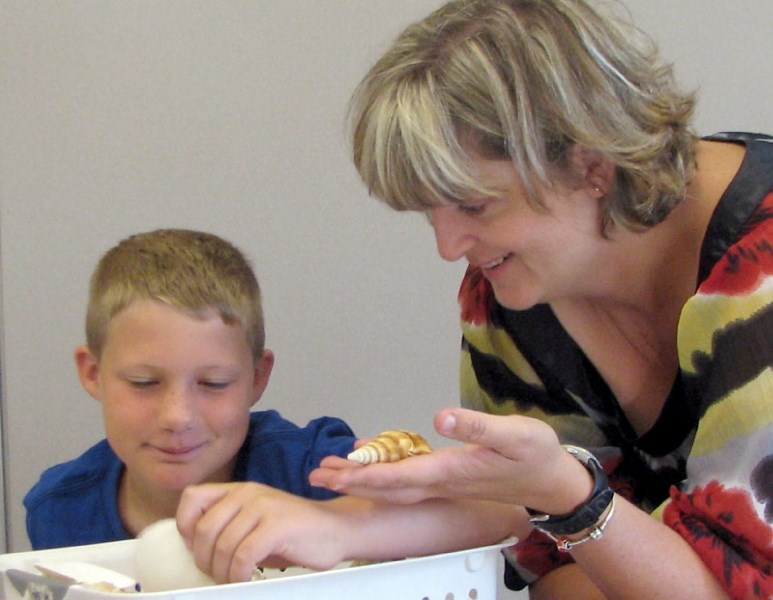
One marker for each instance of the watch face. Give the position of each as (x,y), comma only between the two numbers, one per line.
(581,454)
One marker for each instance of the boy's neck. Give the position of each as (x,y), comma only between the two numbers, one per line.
(139,508)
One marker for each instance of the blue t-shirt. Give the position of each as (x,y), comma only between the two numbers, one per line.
(76,502)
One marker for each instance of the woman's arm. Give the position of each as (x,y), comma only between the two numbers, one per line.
(514,459)
(567,581)
(640,557)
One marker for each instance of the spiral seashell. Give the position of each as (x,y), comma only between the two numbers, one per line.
(390,446)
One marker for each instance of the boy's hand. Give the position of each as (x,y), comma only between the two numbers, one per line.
(233,527)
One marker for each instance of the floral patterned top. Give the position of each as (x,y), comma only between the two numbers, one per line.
(706,466)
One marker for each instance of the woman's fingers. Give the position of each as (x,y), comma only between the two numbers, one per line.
(404,482)
(500,458)
(506,434)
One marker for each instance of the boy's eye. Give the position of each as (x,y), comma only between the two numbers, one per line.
(214,385)
(142,383)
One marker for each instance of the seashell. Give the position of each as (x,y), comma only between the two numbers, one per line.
(162,561)
(390,446)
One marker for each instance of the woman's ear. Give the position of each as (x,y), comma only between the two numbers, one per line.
(592,169)
(261,375)
(88,371)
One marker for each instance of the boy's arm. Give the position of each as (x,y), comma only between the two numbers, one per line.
(233,527)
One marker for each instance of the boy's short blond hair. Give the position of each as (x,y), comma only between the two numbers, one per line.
(192,271)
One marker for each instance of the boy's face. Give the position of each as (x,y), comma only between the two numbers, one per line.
(176,393)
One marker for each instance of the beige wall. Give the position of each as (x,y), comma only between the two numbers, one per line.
(228,116)
(117,117)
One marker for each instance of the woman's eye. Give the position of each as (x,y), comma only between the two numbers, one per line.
(472,208)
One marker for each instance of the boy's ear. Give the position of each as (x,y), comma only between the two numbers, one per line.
(88,370)
(262,374)
(593,170)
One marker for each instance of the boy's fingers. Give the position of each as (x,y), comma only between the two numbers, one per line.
(195,501)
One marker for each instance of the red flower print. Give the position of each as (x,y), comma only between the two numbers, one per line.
(724,529)
(539,555)
(749,261)
(475,296)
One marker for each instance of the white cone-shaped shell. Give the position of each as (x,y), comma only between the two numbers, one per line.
(390,446)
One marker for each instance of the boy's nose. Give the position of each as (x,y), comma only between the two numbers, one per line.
(177,410)
(451,233)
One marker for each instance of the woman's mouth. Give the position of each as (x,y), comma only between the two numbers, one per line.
(492,264)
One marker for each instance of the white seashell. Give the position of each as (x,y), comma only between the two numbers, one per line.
(390,446)
(163,562)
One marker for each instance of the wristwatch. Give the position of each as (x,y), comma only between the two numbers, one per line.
(586,515)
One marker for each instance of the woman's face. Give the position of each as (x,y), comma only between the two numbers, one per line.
(529,256)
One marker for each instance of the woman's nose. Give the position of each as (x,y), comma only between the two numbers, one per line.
(452,234)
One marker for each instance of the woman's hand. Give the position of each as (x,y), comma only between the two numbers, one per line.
(511,459)
(232,527)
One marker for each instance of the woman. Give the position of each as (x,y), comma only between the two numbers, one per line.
(618,297)
(616,315)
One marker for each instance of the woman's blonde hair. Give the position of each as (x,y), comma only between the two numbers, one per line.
(191,271)
(523,80)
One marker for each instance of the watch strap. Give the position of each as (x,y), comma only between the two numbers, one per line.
(587,514)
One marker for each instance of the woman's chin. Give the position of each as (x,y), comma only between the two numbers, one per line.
(517,299)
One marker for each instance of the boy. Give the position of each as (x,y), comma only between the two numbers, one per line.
(175,354)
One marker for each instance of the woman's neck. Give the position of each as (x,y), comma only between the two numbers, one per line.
(656,270)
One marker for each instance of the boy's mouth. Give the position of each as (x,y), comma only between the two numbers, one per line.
(178,451)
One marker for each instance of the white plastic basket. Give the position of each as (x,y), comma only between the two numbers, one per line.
(464,575)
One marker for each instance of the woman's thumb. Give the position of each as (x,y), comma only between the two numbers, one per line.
(463,425)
